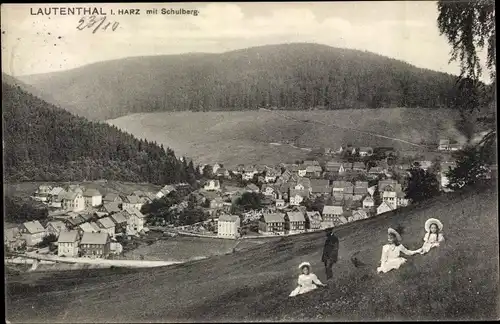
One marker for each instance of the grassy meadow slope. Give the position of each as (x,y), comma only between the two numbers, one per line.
(459,280)
(245,137)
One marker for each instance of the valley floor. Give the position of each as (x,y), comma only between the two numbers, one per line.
(458,281)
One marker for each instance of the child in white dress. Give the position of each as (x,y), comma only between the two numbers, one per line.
(390,252)
(433,236)
(307,281)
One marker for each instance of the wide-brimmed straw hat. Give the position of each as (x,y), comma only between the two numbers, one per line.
(395,233)
(305,264)
(431,221)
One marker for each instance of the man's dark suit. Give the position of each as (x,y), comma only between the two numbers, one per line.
(330,253)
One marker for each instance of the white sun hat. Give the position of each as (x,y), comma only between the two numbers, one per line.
(393,231)
(431,221)
(305,264)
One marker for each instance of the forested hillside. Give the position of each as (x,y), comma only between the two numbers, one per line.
(290,76)
(45,143)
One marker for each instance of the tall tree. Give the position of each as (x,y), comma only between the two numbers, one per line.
(422,185)
(469,27)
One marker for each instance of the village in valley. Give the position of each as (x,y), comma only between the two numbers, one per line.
(333,188)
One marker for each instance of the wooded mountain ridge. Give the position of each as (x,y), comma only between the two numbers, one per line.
(45,143)
(296,76)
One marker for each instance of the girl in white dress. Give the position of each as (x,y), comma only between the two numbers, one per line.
(307,281)
(433,236)
(390,252)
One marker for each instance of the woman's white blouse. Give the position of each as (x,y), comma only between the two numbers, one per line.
(433,238)
(391,251)
(308,281)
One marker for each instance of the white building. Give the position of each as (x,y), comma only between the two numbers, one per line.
(385,207)
(32,232)
(73,201)
(67,244)
(212,185)
(92,197)
(135,221)
(228,226)
(368,202)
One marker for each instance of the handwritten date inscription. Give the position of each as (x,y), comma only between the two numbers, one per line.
(97,23)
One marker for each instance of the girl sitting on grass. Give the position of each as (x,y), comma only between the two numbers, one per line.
(390,252)
(433,236)
(307,281)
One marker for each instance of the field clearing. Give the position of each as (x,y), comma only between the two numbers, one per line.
(457,281)
(245,136)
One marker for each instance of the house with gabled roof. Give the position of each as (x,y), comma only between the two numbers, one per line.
(42,193)
(358,214)
(212,185)
(136,221)
(271,175)
(67,244)
(32,232)
(55,227)
(302,170)
(272,223)
(320,187)
(133,202)
(268,190)
(106,224)
(111,208)
(92,197)
(280,203)
(314,218)
(302,184)
(249,172)
(313,171)
(228,226)
(348,192)
(297,196)
(368,202)
(296,222)
(73,201)
(87,228)
(360,190)
(329,214)
(334,167)
(112,197)
(95,245)
(385,207)
(120,221)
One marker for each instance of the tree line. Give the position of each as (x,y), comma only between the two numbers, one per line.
(44,143)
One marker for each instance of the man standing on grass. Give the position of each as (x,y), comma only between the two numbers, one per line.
(330,252)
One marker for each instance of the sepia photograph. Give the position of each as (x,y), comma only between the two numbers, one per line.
(250,162)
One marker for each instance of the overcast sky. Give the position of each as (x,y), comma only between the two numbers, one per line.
(402,30)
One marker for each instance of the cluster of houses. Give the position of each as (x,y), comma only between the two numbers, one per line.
(85,222)
(288,186)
